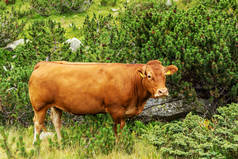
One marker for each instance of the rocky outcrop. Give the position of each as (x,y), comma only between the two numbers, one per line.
(169,109)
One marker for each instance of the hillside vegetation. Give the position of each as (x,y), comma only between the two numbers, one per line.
(199,37)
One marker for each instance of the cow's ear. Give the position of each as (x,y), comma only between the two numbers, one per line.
(141,71)
(171,69)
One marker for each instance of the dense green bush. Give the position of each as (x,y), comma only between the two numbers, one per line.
(21,13)
(196,137)
(10,28)
(222,4)
(14,89)
(201,41)
(46,40)
(14,95)
(46,8)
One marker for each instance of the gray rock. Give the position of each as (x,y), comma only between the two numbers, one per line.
(168,3)
(169,109)
(14,44)
(115,10)
(74,44)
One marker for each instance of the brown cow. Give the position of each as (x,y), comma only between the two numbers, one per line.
(84,88)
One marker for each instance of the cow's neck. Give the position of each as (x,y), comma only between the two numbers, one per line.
(140,91)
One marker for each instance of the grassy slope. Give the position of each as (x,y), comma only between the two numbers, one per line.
(77,19)
(142,149)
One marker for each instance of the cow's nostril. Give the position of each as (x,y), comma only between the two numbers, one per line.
(163,91)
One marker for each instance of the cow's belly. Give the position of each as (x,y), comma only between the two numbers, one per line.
(80,104)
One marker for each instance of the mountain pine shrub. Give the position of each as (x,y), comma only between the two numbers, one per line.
(46,40)
(201,41)
(196,137)
(10,28)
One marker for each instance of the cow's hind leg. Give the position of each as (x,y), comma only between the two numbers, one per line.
(56,119)
(39,118)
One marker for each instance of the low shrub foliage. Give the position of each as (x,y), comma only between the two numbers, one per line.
(201,41)
(196,137)
(10,28)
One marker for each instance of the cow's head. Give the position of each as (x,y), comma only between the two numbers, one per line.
(153,76)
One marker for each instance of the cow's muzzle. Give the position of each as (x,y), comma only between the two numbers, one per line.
(162,92)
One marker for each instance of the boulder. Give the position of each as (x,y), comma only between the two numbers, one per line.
(11,46)
(170,109)
(74,44)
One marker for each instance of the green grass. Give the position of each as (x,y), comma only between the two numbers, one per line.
(142,149)
(68,20)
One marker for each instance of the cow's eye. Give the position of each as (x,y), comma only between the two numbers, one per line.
(149,76)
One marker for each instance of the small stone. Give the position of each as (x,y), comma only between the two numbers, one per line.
(74,44)
(44,135)
(14,44)
(168,3)
(115,10)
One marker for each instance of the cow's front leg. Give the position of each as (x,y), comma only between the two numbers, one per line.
(118,116)
(115,127)
(140,108)
(122,123)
